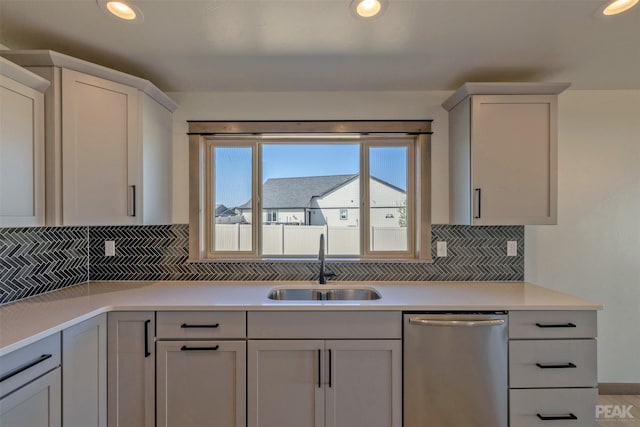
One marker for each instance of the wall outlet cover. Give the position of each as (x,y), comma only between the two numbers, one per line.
(441,249)
(512,248)
(109,248)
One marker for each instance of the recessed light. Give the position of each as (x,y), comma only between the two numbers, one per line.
(121,9)
(614,7)
(367,9)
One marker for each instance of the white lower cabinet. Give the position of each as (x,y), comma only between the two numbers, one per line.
(317,383)
(201,383)
(37,404)
(131,369)
(552,369)
(30,385)
(84,374)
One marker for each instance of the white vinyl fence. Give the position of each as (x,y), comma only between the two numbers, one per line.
(304,239)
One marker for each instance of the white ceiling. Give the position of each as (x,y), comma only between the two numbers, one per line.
(292,45)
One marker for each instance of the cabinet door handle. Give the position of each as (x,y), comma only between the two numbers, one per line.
(185,348)
(131,202)
(478,194)
(557,417)
(555,365)
(556,325)
(187,326)
(147,353)
(330,368)
(22,368)
(319,368)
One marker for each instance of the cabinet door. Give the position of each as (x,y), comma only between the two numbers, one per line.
(35,405)
(364,386)
(201,383)
(84,379)
(100,151)
(284,380)
(513,159)
(21,155)
(131,369)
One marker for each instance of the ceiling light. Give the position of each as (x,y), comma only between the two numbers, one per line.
(367,9)
(121,9)
(615,7)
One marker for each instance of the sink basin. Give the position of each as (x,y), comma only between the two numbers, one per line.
(328,294)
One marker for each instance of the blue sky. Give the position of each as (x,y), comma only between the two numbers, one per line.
(233,166)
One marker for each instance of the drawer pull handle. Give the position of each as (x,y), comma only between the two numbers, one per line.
(557,417)
(186,326)
(555,365)
(556,325)
(22,368)
(185,348)
(319,368)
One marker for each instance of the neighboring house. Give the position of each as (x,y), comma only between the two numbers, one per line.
(224,215)
(327,200)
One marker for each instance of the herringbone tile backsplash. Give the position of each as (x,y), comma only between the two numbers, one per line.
(37,260)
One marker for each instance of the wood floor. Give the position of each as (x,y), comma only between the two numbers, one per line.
(622,401)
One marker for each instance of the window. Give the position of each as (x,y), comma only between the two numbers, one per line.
(271,195)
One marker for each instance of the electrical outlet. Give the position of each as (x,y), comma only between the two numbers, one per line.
(109,248)
(441,249)
(512,248)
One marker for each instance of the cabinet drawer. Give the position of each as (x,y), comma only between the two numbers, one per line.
(527,406)
(552,363)
(200,324)
(21,366)
(549,324)
(326,324)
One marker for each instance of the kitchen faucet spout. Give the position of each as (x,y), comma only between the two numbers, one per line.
(324,273)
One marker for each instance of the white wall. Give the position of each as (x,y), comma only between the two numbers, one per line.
(311,106)
(594,251)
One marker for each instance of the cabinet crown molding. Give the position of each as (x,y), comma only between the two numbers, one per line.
(509,88)
(48,58)
(22,75)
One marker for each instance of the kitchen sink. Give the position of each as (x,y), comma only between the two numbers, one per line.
(329,294)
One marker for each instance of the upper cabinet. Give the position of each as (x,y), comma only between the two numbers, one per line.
(503,153)
(21,146)
(108,143)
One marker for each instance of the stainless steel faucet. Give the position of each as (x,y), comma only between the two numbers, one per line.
(324,273)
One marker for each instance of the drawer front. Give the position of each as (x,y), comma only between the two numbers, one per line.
(550,324)
(528,406)
(326,324)
(26,364)
(200,324)
(552,363)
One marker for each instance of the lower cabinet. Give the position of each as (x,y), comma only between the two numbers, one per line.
(84,374)
(201,383)
(318,383)
(35,405)
(131,369)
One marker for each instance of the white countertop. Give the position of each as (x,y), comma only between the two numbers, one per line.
(27,321)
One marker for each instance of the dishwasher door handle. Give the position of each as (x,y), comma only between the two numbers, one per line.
(455,323)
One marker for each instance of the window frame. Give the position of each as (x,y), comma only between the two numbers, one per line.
(205,134)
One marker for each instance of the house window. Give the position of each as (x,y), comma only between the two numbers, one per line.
(360,189)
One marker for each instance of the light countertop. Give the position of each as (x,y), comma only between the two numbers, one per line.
(26,321)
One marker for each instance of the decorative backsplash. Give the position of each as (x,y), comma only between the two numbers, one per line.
(34,261)
(38,260)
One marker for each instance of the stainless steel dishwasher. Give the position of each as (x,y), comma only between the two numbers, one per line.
(455,370)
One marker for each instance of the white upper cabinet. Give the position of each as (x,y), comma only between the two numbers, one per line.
(503,153)
(108,143)
(21,146)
